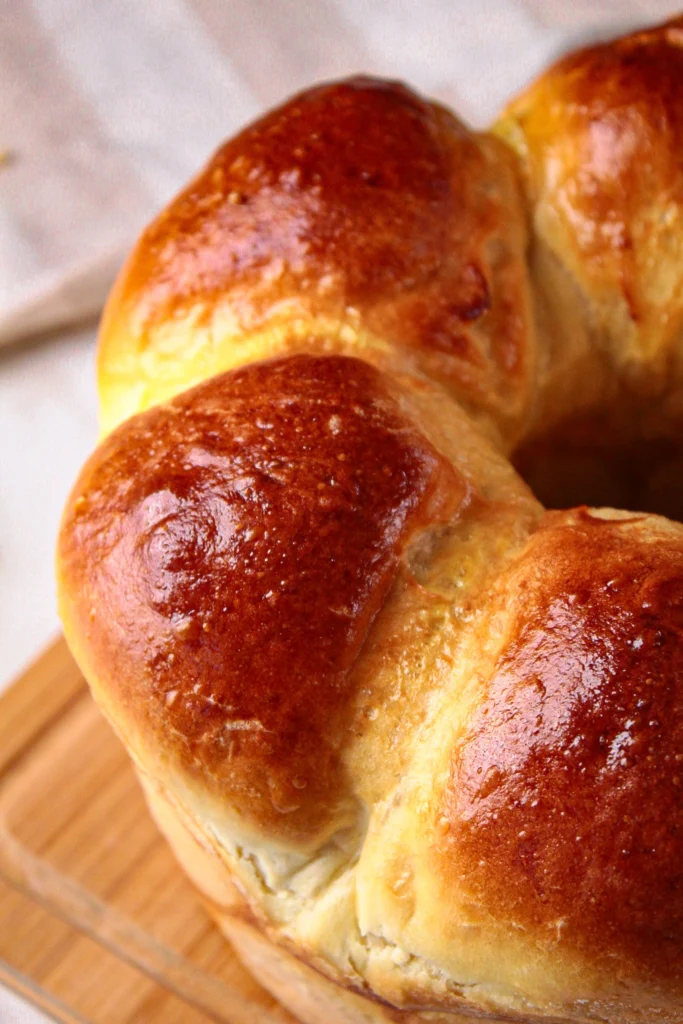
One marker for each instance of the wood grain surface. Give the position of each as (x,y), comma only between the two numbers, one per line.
(97,922)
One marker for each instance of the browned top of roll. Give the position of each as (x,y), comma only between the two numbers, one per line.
(358,202)
(600,135)
(223,558)
(625,95)
(350,178)
(565,800)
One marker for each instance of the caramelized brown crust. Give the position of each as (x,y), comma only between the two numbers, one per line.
(613,117)
(234,548)
(278,197)
(565,799)
(600,136)
(356,202)
(439,748)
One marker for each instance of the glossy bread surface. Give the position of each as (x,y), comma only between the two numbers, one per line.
(358,216)
(431,732)
(600,136)
(258,523)
(565,791)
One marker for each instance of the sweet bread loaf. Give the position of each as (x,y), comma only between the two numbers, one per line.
(417,741)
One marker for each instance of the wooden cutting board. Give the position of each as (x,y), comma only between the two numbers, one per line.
(97,922)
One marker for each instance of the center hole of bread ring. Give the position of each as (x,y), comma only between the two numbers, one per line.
(586,462)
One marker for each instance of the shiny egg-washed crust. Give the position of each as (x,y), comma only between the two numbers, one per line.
(455,729)
(569,812)
(418,743)
(356,217)
(257,522)
(600,137)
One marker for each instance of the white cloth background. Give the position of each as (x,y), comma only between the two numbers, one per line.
(106,107)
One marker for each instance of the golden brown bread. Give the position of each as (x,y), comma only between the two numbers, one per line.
(418,742)
(594,665)
(258,541)
(356,218)
(599,138)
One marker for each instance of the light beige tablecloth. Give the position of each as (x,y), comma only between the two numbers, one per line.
(106,107)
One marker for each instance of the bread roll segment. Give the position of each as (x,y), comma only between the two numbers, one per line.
(357,218)
(417,741)
(267,581)
(600,137)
